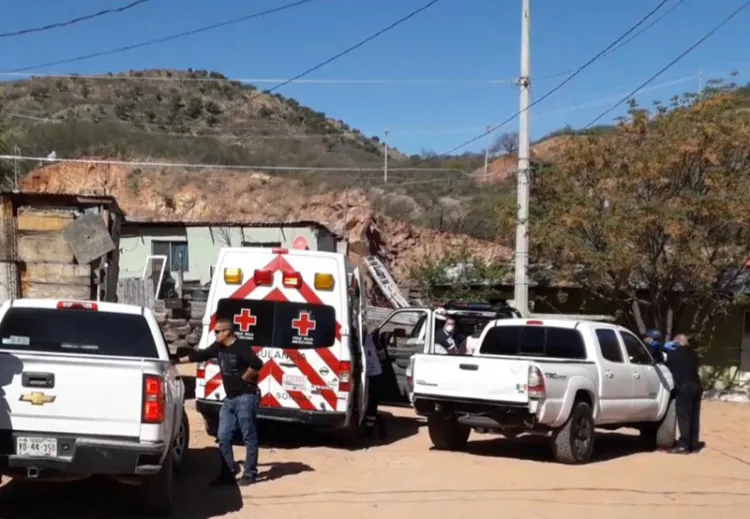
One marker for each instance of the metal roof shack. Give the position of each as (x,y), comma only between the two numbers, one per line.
(62,246)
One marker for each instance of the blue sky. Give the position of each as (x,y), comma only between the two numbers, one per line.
(453,40)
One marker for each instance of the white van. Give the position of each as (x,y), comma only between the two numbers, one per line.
(303,311)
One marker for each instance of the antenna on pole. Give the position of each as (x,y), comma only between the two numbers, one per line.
(700,82)
(487,151)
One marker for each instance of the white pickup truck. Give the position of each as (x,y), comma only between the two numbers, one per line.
(87,388)
(558,378)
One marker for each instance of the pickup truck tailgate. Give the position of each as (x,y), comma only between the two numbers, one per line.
(73,394)
(471,377)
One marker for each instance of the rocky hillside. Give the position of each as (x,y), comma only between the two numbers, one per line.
(202,117)
(256,197)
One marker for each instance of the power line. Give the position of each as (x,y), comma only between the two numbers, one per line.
(320,81)
(357,45)
(669,65)
(188,165)
(74,21)
(624,42)
(237,131)
(163,39)
(563,82)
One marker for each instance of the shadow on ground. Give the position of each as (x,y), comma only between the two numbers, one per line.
(285,436)
(104,499)
(608,446)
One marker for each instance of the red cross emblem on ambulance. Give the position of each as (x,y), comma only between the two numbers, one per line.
(245,320)
(304,324)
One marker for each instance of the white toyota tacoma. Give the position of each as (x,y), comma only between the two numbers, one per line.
(558,378)
(87,388)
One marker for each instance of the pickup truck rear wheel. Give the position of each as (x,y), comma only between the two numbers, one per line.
(446,433)
(662,435)
(573,443)
(156,495)
(180,443)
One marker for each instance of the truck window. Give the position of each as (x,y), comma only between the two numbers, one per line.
(609,345)
(281,324)
(534,341)
(636,350)
(77,331)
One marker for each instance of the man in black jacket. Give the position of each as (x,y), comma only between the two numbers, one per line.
(240,367)
(684,364)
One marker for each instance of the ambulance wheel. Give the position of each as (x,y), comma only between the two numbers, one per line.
(212,425)
(446,433)
(350,437)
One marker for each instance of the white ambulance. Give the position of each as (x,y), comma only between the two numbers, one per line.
(303,312)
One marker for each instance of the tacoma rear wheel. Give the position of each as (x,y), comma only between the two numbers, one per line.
(663,434)
(446,433)
(573,443)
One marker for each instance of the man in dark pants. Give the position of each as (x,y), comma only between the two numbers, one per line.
(684,365)
(239,367)
(374,373)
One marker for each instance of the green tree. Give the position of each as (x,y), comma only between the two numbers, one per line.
(460,276)
(652,216)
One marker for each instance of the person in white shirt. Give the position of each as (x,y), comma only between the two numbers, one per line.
(374,372)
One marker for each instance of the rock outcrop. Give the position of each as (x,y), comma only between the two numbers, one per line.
(153,193)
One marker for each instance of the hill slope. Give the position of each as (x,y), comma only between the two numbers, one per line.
(202,117)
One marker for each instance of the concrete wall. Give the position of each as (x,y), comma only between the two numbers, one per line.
(204,243)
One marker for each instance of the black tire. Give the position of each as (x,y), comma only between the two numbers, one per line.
(212,426)
(663,434)
(181,443)
(156,493)
(446,433)
(573,443)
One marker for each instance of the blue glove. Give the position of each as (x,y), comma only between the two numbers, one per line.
(671,346)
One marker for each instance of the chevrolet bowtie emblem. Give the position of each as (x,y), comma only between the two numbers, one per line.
(38,398)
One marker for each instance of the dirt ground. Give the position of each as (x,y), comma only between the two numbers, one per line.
(304,476)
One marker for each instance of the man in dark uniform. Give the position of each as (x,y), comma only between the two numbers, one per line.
(683,362)
(239,367)
(448,339)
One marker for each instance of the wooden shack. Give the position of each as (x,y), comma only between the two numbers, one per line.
(59,246)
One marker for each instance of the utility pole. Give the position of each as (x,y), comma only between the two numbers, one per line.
(385,157)
(521,292)
(17,151)
(487,151)
(700,82)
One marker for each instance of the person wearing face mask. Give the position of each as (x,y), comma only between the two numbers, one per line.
(447,341)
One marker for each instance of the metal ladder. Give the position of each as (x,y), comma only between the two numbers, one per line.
(385,282)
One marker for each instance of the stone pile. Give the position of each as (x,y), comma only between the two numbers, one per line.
(181,328)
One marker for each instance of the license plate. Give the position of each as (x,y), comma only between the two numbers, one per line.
(294,382)
(36,447)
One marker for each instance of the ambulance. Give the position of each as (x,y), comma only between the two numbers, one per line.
(303,312)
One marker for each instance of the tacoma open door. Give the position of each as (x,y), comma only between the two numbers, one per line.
(402,334)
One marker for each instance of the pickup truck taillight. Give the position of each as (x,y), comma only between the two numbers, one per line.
(154,399)
(345,376)
(536,383)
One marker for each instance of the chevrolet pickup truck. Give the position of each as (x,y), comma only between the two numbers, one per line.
(556,378)
(87,388)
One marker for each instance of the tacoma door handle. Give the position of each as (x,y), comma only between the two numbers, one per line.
(609,374)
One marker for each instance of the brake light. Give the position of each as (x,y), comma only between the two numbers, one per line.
(536,387)
(345,376)
(263,278)
(154,400)
(200,371)
(534,323)
(291,279)
(77,305)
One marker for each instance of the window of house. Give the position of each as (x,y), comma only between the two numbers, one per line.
(176,253)
(264,244)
